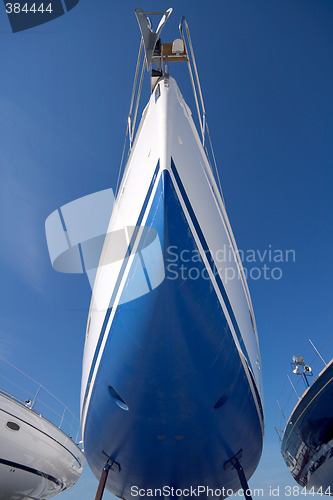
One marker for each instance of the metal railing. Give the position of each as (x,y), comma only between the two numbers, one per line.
(22,388)
(189,57)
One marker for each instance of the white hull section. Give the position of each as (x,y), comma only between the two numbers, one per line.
(167,133)
(37,460)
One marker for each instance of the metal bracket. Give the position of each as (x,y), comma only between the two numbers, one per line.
(149,37)
(113,464)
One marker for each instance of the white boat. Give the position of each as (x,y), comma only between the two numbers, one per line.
(37,459)
(171,382)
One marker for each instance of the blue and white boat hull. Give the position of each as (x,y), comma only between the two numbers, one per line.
(171,384)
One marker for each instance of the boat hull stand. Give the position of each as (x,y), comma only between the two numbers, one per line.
(235,463)
(109,465)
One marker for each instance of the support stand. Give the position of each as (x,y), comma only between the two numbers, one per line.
(234,462)
(102,481)
(110,464)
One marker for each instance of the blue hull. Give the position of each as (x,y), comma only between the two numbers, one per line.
(172,403)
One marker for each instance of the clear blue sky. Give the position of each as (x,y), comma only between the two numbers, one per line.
(266,70)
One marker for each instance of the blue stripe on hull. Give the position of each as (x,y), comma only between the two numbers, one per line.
(210,260)
(169,358)
(35,472)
